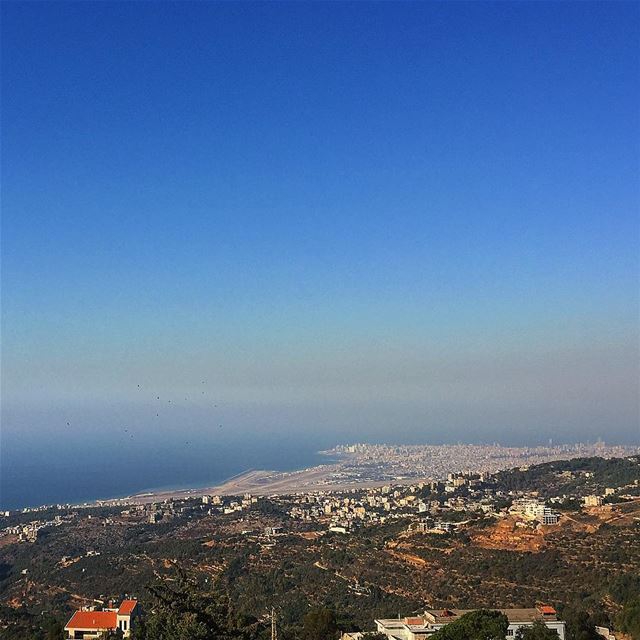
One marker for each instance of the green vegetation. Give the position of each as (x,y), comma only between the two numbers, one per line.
(482,624)
(319,624)
(182,609)
(196,572)
(629,618)
(580,476)
(539,631)
(29,627)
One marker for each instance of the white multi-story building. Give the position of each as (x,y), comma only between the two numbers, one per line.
(535,510)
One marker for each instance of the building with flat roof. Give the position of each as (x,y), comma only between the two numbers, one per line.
(420,627)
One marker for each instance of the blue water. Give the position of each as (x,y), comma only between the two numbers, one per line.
(75,453)
(71,473)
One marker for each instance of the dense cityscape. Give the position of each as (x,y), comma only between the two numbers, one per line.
(522,510)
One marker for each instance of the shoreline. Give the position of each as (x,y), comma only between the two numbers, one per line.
(339,472)
(145,496)
(264,482)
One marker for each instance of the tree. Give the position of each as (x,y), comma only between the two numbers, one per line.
(624,587)
(629,618)
(54,629)
(319,624)
(538,631)
(181,610)
(481,624)
(579,624)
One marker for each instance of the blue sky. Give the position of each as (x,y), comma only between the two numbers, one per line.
(384,220)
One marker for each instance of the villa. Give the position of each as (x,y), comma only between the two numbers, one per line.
(421,627)
(90,624)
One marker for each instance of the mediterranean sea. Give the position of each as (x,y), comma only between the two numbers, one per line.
(62,453)
(85,470)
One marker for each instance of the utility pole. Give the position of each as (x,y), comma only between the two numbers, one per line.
(274,629)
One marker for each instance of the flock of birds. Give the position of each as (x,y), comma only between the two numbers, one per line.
(187,442)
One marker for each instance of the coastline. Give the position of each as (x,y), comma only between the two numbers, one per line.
(364,466)
(160,493)
(258,482)
(263,482)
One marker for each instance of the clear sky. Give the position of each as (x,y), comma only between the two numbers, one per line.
(392,221)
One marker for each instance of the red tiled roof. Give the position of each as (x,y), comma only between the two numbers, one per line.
(126,607)
(546,609)
(414,621)
(93,620)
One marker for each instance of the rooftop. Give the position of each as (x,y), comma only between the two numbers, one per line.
(101,619)
(126,607)
(444,616)
(93,620)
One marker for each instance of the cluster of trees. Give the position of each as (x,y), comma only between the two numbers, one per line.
(628,620)
(180,611)
(16,626)
(183,609)
(482,624)
(485,624)
(625,589)
(613,472)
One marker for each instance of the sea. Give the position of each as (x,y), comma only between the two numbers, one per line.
(74,472)
(69,454)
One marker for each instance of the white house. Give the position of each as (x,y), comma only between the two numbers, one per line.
(87,625)
(420,627)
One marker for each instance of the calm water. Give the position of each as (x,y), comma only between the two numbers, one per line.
(72,453)
(61,472)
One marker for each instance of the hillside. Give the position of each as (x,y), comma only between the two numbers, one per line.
(587,565)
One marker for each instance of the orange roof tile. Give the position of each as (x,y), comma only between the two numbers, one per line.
(126,607)
(93,620)
(546,609)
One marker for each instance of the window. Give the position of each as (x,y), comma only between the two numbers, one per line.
(509,632)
